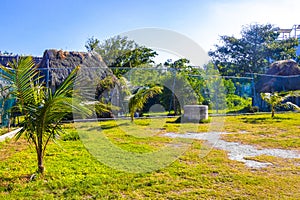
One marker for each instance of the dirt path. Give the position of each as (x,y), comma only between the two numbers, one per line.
(237,151)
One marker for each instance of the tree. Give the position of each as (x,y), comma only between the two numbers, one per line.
(120,52)
(186,81)
(215,88)
(112,48)
(138,100)
(253,52)
(135,57)
(91,44)
(277,98)
(42,108)
(177,92)
(179,65)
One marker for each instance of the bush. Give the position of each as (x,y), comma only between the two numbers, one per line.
(250,109)
(71,135)
(236,102)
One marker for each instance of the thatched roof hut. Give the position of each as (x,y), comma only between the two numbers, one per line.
(282,75)
(96,80)
(57,64)
(6,59)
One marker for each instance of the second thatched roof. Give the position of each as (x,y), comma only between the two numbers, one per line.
(282,75)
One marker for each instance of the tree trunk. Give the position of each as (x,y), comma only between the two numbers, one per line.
(174,105)
(8,125)
(41,167)
(40,155)
(131,116)
(273,112)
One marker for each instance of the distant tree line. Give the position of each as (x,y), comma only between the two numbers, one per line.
(253,52)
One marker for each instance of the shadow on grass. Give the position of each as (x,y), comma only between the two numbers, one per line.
(181,120)
(258,120)
(176,121)
(110,126)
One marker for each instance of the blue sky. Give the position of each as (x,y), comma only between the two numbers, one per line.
(31,26)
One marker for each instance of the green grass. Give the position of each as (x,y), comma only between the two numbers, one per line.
(283,131)
(73,173)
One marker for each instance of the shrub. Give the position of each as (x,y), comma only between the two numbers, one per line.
(70,136)
(250,109)
(236,102)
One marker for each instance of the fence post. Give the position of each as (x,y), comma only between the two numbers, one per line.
(253,90)
(173,92)
(48,72)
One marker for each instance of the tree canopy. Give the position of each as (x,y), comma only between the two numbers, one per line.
(253,52)
(120,52)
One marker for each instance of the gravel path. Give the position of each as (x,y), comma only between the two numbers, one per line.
(237,151)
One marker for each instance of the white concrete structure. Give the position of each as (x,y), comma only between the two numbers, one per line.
(195,112)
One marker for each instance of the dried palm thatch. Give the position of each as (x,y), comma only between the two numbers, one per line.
(97,81)
(282,75)
(57,64)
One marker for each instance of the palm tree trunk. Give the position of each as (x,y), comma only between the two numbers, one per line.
(41,167)
(40,155)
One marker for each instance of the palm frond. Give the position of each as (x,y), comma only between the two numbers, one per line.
(42,109)
(138,100)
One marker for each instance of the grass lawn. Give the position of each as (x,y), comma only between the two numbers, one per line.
(73,173)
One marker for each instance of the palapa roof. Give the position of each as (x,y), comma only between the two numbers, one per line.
(60,63)
(282,75)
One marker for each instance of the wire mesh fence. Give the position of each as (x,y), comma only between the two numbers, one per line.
(115,86)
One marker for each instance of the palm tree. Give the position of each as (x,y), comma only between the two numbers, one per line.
(43,109)
(137,101)
(277,98)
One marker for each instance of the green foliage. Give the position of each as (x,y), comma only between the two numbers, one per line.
(177,92)
(92,44)
(145,75)
(215,89)
(197,82)
(195,77)
(276,99)
(135,57)
(112,48)
(236,102)
(71,135)
(229,85)
(183,84)
(43,109)
(138,100)
(119,52)
(180,65)
(104,106)
(249,109)
(253,51)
